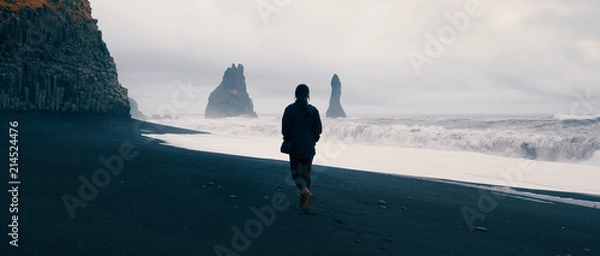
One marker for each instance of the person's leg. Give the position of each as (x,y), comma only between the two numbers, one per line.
(306,170)
(300,169)
(306,195)
(297,174)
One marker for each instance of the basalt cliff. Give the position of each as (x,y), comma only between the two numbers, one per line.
(53,60)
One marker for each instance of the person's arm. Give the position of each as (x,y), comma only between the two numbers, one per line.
(286,126)
(318,126)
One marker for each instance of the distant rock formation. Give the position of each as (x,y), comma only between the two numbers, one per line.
(335,109)
(53,59)
(230,98)
(135,111)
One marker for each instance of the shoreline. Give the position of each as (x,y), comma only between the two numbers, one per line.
(468,167)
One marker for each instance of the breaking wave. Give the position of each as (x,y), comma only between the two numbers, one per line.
(559,138)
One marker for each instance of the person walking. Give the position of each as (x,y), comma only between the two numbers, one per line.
(301,127)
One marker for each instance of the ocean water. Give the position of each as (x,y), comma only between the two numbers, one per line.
(558,138)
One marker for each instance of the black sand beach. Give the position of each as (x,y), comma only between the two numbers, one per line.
(171,201)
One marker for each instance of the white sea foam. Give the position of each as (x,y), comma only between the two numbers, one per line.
(564,117)
(356,150)
(541,139)
(428,163)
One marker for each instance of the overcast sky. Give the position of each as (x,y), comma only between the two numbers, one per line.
(409,56)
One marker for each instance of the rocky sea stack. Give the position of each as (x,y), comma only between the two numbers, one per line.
(135,111)
(335,109)
(230,98)
(53,59)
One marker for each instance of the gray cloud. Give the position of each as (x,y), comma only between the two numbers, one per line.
(516,57)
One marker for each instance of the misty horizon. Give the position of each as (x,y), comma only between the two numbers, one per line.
(393,58)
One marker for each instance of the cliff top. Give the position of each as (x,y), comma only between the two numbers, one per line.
(77,8)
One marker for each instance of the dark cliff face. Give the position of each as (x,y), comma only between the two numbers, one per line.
(230,98)
(335,109)
(53,59)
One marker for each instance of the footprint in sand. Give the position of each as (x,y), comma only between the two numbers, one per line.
(336,220)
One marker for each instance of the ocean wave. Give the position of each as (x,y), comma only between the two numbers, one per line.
(567,117)
(520,138)
(506,142)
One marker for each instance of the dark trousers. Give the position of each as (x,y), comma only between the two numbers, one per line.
(301,171)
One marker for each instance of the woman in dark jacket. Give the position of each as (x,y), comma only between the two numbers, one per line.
(301,124)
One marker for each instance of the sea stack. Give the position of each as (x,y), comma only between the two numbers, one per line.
(53,60)
(135,111)
(335,109)
(230,98)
